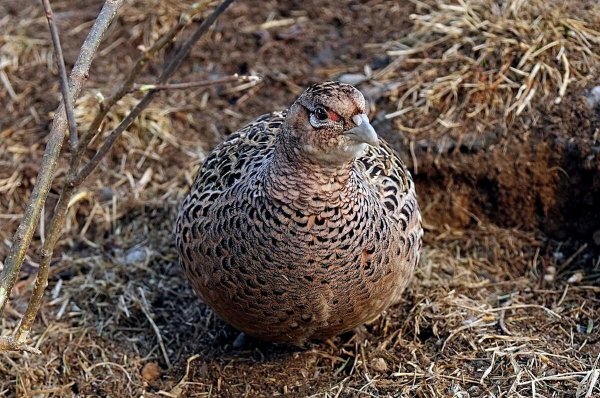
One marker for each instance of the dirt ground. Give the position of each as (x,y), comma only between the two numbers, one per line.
(506,301)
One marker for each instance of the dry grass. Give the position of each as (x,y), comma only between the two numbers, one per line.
(493,312)
(470,63)
(20,53)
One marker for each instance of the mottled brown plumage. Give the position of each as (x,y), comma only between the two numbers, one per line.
(295,227)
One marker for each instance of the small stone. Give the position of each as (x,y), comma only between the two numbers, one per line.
(379,364)
(550,273)
(241,341)
(150,372)
(576,277)
(593,97)
(106,194)
(596,237)
(352,78)
(135,255)
(381,62)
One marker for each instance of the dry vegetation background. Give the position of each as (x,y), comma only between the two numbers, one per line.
(490,104)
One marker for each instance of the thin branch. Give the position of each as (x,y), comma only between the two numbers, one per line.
(56,225)
(184,20)
(64,83)
(23,235)
(169,68)
(73,179)
(146,311)
(202,83)
(10,344)
(178,58)
(107,145)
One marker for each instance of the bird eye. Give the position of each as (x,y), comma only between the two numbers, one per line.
(321,114)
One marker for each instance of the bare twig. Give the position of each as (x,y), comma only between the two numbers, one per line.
(203,83)
(64,82)
(56,225)
(75,178)
(172,65)
(146,311)
(501,319)
(22,238)
(184,20)
(10,344)
(108,143)
(58,219)
(169,68)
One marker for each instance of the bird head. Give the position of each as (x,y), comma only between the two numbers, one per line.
(328,123)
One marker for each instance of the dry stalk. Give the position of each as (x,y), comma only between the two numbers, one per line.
(75,176)
(64,82)
(169,67)
(139,65)
(10,344)
(203,83)
(468,63)
(22,238)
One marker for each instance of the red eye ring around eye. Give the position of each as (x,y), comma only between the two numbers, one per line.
(333,116)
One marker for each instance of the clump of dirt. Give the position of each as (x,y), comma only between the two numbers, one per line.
(537,174)
(491,99)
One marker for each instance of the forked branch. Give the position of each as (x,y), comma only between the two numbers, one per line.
(169,67)
(22,237)
(75,176)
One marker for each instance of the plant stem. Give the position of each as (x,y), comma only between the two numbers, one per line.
(64,82)
(24,234)
(10,344)
(74,178)
(169,68)
(203,83)
(184,20)
(56,226)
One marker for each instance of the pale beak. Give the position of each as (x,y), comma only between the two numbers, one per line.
(363,132)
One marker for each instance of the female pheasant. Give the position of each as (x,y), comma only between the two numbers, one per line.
(303,224)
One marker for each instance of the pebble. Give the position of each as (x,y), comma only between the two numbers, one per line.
(150,372)
(379,364)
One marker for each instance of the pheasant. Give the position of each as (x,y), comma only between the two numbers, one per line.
(303,224)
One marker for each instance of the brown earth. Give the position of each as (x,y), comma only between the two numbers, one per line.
(542,177)
(505,301)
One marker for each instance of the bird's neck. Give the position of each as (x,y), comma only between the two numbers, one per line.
(293,177)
